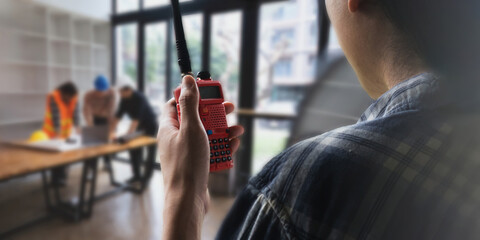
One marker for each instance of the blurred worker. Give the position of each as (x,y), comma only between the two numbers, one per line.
(61,118)
(136,106)
(99,106)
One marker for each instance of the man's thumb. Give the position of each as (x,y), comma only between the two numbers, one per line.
(188,100)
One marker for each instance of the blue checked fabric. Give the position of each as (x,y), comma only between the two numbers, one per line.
(409,169)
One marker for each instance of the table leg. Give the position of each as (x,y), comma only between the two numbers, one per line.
(89,176)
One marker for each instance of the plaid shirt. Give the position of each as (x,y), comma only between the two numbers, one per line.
(409,169)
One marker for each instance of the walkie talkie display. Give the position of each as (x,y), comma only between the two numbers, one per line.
(211,109)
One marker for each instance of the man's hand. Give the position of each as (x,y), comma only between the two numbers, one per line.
(185,160)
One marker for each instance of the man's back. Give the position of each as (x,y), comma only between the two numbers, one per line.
(407,170)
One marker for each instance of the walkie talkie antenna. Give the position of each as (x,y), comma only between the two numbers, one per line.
(182,50)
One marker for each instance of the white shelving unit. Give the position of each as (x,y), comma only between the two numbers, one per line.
(42,47)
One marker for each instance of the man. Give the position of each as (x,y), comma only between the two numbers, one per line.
(99,107)
(407,170)
(99,104)
(61,118)
(136,106)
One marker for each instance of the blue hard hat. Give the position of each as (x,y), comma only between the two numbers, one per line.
(101,83)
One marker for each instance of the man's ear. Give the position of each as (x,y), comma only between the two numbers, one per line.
(354,5)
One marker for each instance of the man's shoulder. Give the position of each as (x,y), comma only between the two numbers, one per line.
(348,154)
(294,165)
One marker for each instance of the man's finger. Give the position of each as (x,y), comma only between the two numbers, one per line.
(236,131)
(234,144)
(169,114)
(188,102)
(229,107)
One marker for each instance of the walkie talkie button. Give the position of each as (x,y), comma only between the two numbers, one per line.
(214,141)
(228,152)
(210,132)
(220,140)
(218,160)
(223,153)
(221,146)
(229,158)
(225,139)
(224,159)
(211,154)
(217,154)
(212,161)
(227,146)
(215,147)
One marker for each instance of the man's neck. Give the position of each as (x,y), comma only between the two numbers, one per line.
(396,69)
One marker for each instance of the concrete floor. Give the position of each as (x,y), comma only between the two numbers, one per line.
(122,216)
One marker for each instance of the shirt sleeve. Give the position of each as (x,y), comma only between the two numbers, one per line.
(137,112)
(120,110)
(111,104)
(76,115)
(55,114)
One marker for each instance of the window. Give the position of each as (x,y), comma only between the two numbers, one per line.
(285,11)
(312,65)
(284,37)
(333,43)
(225,53)
(283,68)
(193,25)
(158,3)
(127,5)
(286,60)
(313,34)
(155,64)
(270,138)
(281,65)
(126,57)
(286,68)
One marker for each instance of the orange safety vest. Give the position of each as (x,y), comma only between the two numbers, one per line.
(66,113)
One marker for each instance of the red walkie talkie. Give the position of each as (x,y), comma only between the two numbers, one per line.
(211,109)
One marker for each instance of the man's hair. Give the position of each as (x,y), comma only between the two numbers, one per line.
(444,33)
(68,89)
(126,88)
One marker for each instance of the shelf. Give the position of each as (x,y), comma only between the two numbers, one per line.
(20,121)
(99,46)
(82,68)
(25,63)
(26,33)
(61,66)
(43,47)
(60,40)
(23,93)
(81,43)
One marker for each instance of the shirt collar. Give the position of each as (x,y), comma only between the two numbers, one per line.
(413,94)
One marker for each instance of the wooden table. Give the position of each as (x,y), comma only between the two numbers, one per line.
(18,161)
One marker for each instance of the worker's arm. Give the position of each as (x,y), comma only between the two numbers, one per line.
(55,115)
(76,118)
(111,106)
(133,126)
(113,129)
(114,122)
(87,114)
(185,159)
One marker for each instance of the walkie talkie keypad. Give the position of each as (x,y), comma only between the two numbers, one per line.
(220,149)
